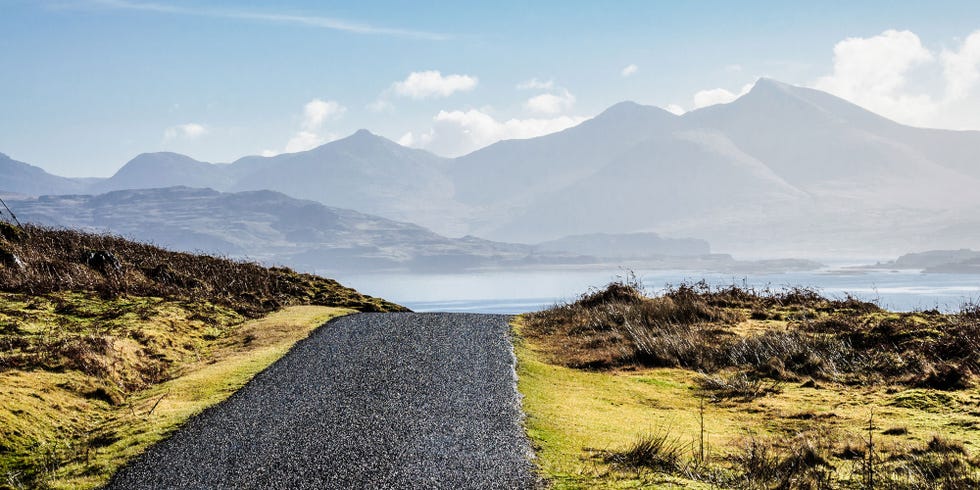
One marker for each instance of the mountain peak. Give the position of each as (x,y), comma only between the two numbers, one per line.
(156,155)
(765,83)
(628,108)
(361,136)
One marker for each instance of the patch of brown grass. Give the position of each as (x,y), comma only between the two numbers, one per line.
(50,260)
(792,334)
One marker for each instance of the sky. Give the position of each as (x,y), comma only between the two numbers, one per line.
(86,85)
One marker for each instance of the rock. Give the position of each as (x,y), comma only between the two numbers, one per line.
(11,232)
(10,259)
(162,273)
(102,261)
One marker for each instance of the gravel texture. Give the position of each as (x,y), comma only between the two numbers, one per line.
(374,400)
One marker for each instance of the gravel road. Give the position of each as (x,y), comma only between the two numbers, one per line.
(374,400)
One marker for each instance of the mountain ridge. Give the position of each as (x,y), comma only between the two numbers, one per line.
(814,167)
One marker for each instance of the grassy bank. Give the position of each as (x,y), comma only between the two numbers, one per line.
(107,346)
(747,389)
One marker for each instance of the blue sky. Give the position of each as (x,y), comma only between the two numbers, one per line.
(88,84)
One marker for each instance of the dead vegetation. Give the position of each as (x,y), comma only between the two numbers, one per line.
(46,260)
(742,348)
(786,335)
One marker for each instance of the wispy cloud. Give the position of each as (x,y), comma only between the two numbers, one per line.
(307,20)
(188,131)
(432,84)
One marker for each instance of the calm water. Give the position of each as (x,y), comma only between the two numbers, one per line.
(522,291)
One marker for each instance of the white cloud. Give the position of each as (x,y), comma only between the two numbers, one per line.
(316,111)
(188,131)
(961,69)
(420,140)
(873,72)
(629,70)
(432,84)
(535,84)
(713,96)
(551,103)
(704,98)
(459,132)
(895,75)
(307,140)
(675,109)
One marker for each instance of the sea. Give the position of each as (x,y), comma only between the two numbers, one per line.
(520,291)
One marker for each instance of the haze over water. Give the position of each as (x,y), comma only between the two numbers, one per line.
(523,291)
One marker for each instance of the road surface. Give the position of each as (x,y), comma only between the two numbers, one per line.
(374,400)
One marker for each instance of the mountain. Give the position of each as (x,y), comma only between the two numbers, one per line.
(512,170)
(275,228)
(782,170)
(21,178)
(165,169)
(826,145)
(364,172)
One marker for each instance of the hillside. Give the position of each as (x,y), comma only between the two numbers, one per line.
(107,345)
(21,178)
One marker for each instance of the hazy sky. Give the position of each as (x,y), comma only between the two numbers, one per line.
(85,85)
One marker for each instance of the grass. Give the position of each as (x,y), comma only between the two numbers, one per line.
(70,437)
(99,360)
(736,389)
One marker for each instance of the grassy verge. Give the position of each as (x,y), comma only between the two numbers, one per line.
(678,408)
(69,430)
(107,346)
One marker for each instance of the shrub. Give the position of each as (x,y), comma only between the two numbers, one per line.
(657,451)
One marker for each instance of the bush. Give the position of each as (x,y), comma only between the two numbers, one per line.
(657,451)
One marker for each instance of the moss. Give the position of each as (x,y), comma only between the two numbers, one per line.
(926,400)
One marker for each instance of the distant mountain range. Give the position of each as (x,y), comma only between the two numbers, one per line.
(782,170)
(277,229)
(962,261)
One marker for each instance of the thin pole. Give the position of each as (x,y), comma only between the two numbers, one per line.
(12,215)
